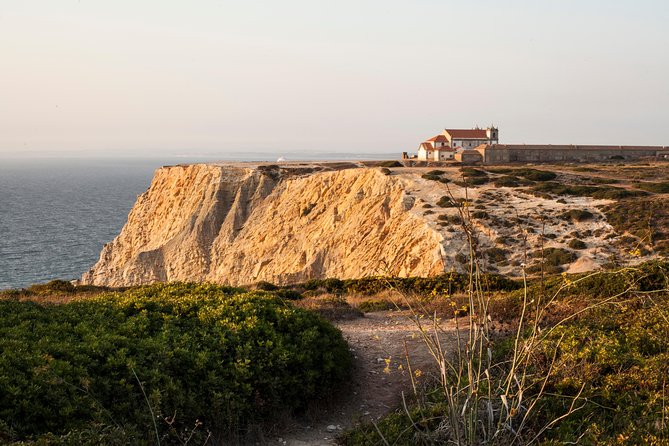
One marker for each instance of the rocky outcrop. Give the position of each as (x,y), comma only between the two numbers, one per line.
(241,224)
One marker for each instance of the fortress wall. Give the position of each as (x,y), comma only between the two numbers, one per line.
(563,153)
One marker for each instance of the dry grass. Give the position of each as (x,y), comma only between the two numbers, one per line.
(330,306)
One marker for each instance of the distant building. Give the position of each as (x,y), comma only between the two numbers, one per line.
(445,145)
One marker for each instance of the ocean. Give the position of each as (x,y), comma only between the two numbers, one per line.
(56,214)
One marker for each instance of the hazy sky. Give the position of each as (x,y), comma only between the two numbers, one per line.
(214,76)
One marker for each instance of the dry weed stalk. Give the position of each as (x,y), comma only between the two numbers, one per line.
(492,401)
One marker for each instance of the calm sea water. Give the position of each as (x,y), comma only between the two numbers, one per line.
(56,214)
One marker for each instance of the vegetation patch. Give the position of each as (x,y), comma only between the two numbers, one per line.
(432,177)
(511,181)
(115,364)
(647,219)
(471,172)
(448,283)
(446,202)
(658,188)
(390,164)
(601,192)
(374,305)
(526,173)
(577,244)
(555,256)
(602,348)
(497,255)
(577,215)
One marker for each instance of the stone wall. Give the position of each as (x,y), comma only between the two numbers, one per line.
(505,153)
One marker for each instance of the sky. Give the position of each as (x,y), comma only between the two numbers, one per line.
(215,77)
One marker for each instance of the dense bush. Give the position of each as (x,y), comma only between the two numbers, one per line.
(511,181)
(439,178)
(622,360)
(602,192)
(577,244)
(443,284)
(217,354)
(446,202)
(527,173)
(659,188)
(646,218)
(390,164)
(471,172)
(471,181)
(497,255)
(371,306)
(555,256)
(578,215)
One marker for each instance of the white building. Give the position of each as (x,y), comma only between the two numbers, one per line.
(444,146)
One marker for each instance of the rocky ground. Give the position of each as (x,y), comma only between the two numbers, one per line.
(513,223)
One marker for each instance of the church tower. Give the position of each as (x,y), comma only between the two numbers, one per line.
(492,133)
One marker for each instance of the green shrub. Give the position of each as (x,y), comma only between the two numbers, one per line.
(509,181)
(658,188)
(527,173)
(225,357)
(390,164)
(577,244)
(471,181)
(555,256)
(433,177)
(53,287)
(385,171)
(621,359)
(443,284)
(436,172)
(372,306)
(334,286)
(286,293)
(497,255)
(266,286)
(446,202)
(578,215)
(471,172)
(646,218)
(601,192)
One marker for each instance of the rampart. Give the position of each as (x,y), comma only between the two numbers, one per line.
(506,153)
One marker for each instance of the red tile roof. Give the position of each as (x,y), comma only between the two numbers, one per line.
(466,134)
(439,138)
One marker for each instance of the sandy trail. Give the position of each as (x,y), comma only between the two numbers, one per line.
(381,374)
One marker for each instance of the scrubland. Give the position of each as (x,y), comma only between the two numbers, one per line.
(552,329)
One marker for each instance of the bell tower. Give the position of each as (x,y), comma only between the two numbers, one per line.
(492,133)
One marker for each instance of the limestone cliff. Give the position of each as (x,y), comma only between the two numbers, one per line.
(240,224)
(244,223)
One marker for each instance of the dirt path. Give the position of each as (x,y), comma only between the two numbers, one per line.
(381,375)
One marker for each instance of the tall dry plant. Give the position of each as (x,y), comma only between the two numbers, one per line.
(492,401)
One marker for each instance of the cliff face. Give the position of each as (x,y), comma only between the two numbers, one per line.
(244,223)
(240,225)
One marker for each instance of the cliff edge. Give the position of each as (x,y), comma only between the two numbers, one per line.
(244,223)
(240,224)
